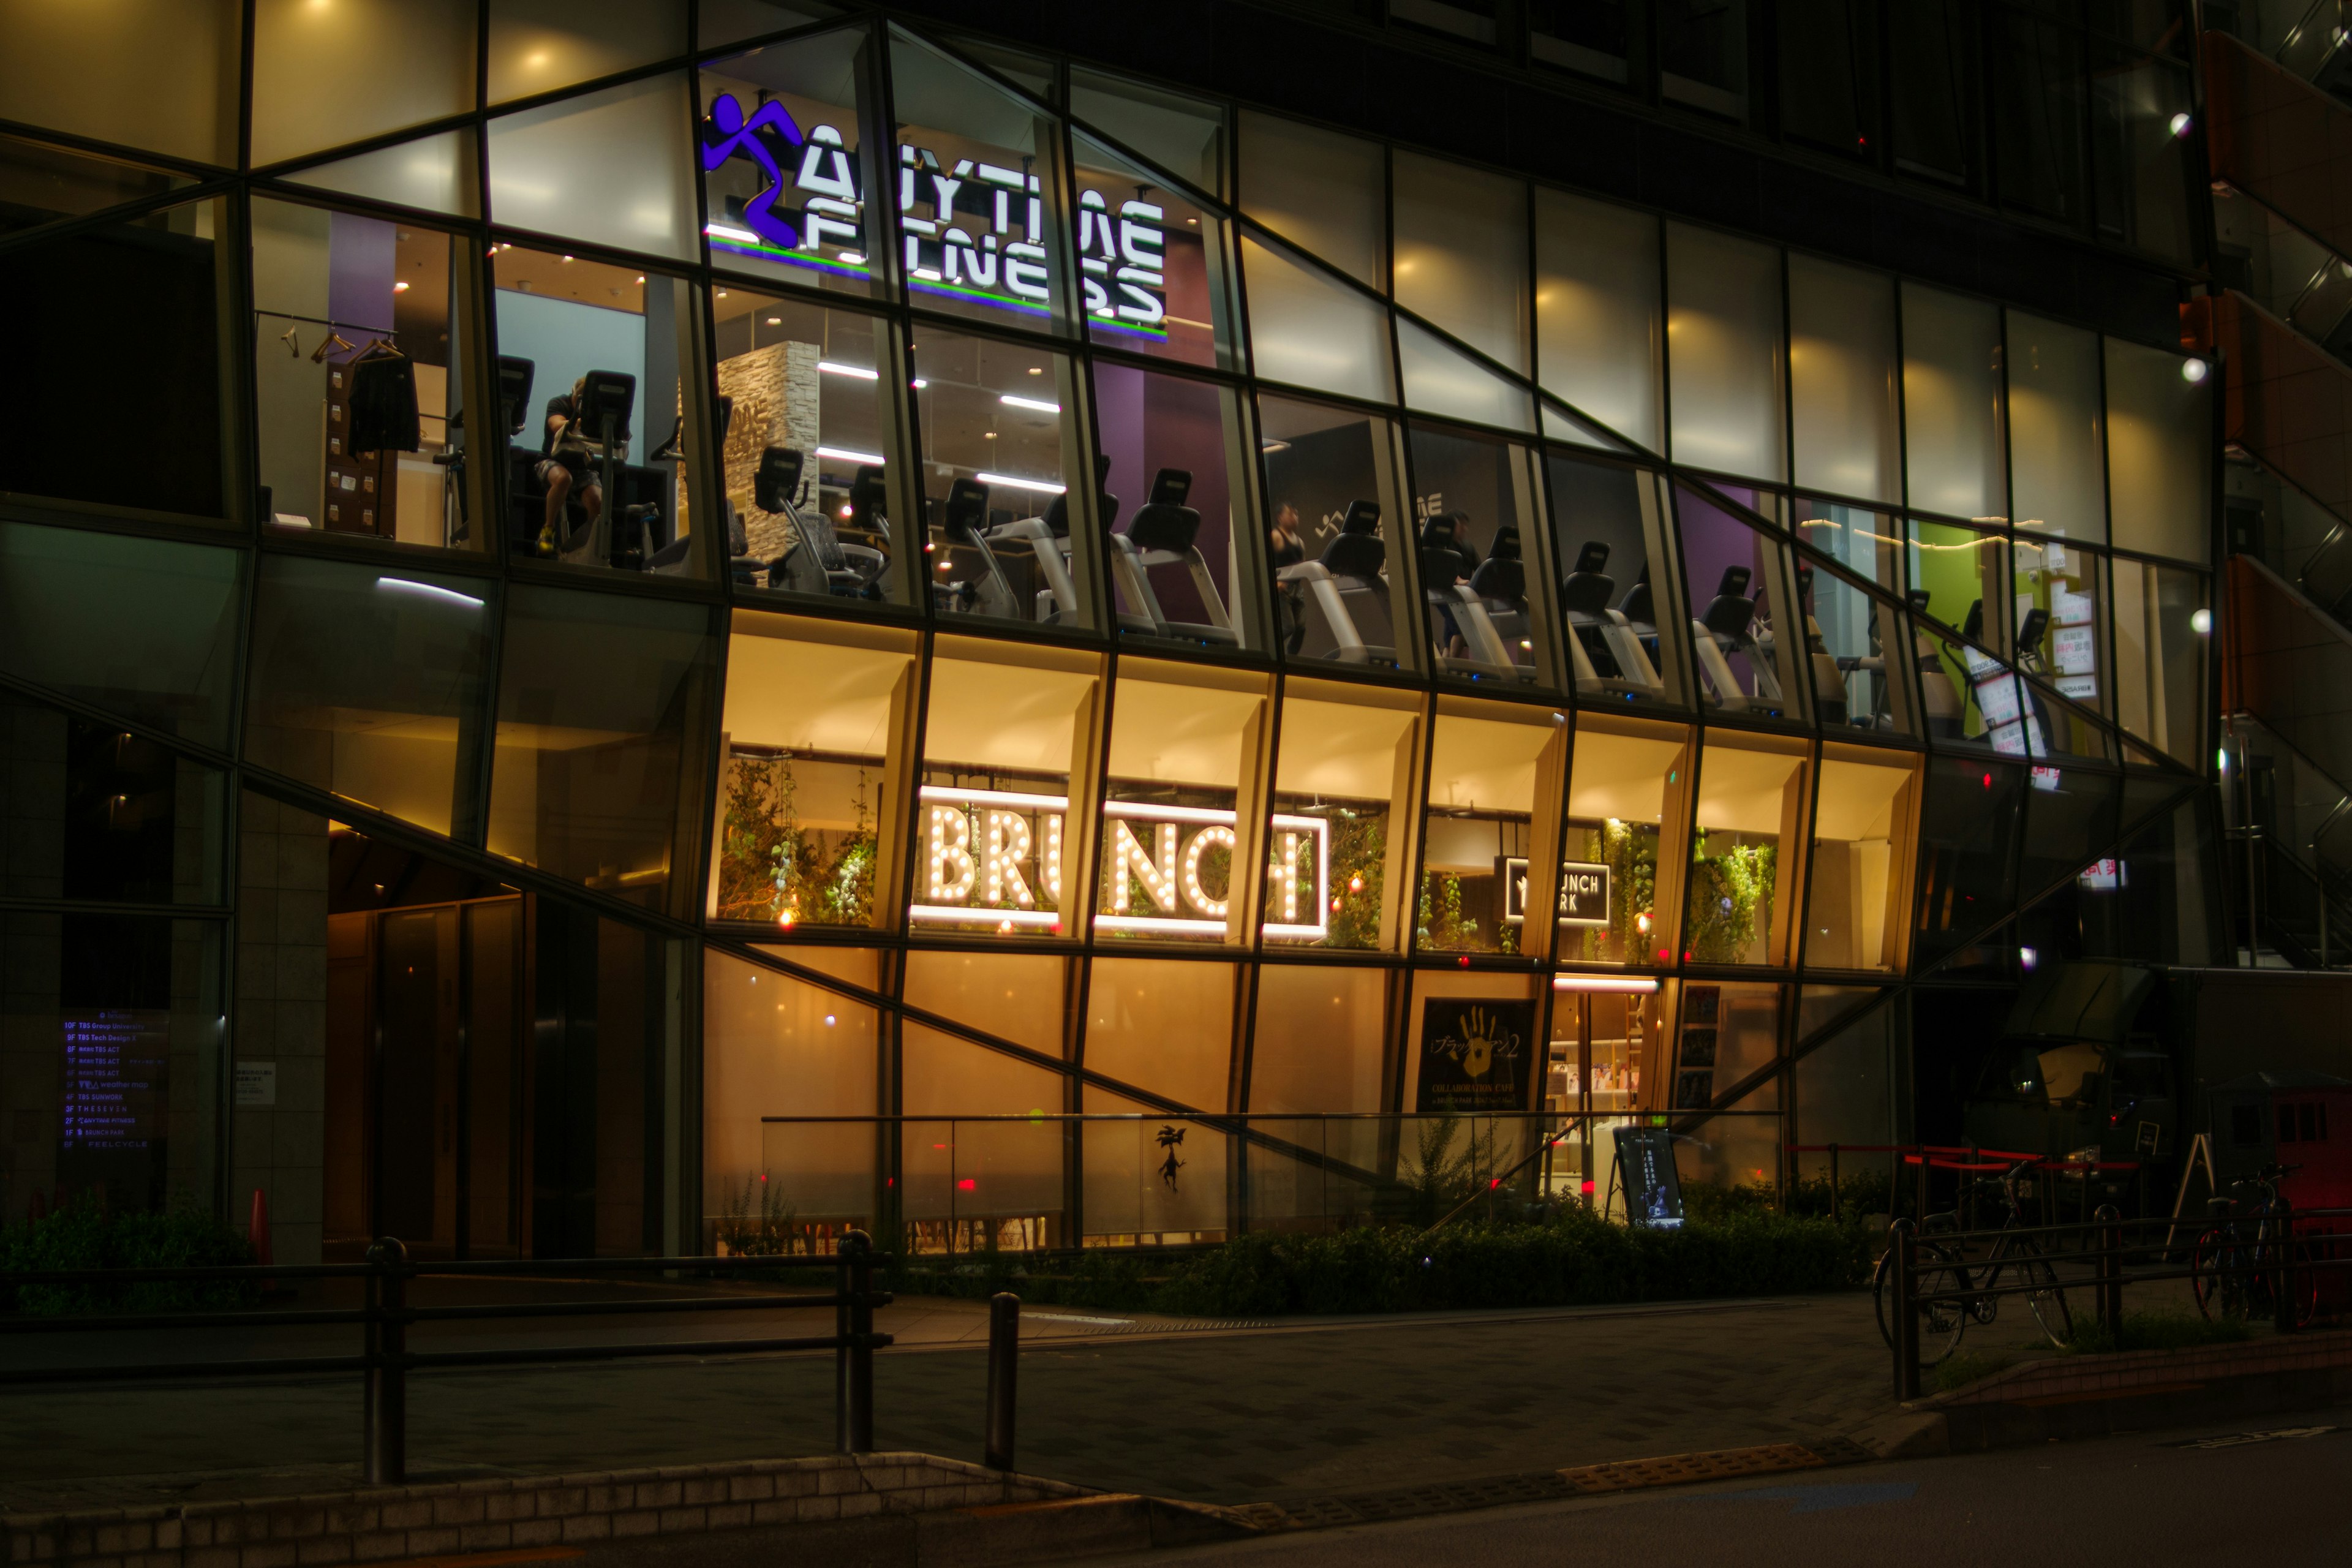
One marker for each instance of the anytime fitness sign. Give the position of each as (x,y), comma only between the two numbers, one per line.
(985,236)
(996,855)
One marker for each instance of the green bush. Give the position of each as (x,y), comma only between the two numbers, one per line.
(1570,1258)
(2155,1331)
(1963,1367)
(86,1235)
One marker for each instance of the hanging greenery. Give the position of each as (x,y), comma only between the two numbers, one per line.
(1360,847)
(772,869)
(1728,891)
(1629,850)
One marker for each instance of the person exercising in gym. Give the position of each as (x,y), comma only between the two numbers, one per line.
(572,453)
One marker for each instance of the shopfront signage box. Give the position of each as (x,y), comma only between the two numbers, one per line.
(1475,1054)
(1584,891)
(1646,1174)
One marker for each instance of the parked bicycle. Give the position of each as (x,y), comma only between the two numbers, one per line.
(1945,1271)
(2235,1266)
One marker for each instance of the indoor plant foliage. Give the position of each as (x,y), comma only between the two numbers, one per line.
(1360,846)
(1631,855)
(1726,892)
(772,869)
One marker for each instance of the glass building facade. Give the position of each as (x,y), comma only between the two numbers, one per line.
(713,627)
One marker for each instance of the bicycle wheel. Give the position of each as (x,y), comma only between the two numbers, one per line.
(2048,1300)
(2217,1276)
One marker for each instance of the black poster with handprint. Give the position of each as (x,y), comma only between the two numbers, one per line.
(1474,1053)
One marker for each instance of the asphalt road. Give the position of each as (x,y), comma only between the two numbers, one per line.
(2201,1497)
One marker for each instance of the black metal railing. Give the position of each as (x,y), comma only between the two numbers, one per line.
(2275,1263)
(385,1360)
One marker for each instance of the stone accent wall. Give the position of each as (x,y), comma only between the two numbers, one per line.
(392,1523)
(280,1017)
(775,394)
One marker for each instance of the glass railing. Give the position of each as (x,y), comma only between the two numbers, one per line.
(2292,824)
(2316,46)
(951,1186)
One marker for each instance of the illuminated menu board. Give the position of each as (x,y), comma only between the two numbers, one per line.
(111,1106)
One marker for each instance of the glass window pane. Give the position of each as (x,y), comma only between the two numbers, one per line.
(1324,192)
(1485,766)
(1751,804)
(438,173)
(1861,862)
(811,760)
(142,627)
(2037,113)
(1959,577)
(958,228)
(774,1046)
(1598,333)
(2070,819)
(155,74)
(1935,89)
(2141,152)
(1842,375)
(1476,500)
(97,813)
(1723,339)
(538,46)
(1185,136)
(1338,846)
(1738,577)
(595,362)
(1319,1039)
(1184,742)
(809,429)
(1453,1014)
(356,377)
(2061,618)
(1162,1025)
(1869,544)
(81,339)
(2053,420)
(1703,55)
(1829,74)
(1624,779)
(599,779)
(1845,1093)
(1155,267)
(325,75)
(2160,656)
(782,170)
(1005,728)
(1952,404)
(1440,379)
(1965,833)
(2160,451)
(1461,253)
(1178,448)
(1331,481)
(555,169)
(1311,331)
(1727,1035)
(719,22)
(370,684)
(1023,998)
(1005,537)
(1610,534)
(1853,644)
(42,185)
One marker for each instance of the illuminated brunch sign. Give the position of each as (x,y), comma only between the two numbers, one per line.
(996,855)
(984,238)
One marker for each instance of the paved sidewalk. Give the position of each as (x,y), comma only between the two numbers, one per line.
(1292,1409)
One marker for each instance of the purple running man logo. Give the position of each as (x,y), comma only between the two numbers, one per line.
(728,134)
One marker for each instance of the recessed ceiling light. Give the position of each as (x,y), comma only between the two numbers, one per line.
(400,287)
(775,320)
(567,259)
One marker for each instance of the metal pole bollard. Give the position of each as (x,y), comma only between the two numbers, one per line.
(1905,1242)
(1834,1213)
(842,1292)
(2111,1274)
(2283,1318)
(386,1440)
(1004,1374)
(857,1410)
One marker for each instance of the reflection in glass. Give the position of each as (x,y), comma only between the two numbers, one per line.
(1967,827)
(1610,534)
(1598,334)
(807,432)
(1842,377)
(1319,1037)
(1461,253)
(1331,482)
(538,46)
(369,684)
(593,364)
(324,76)
(1176,572)
(358,384)
(1185,135)
(1723,347)
(2160,656)
(784,176)
(1162,1025)
(2055,423)
(1955,460)
(815,712)
(1348,760)
(1737,578)
(99,814)
(1751,816)
(1853,645)
(1726,1034)
(1308,329)
(554,169)
(1475,499)
(1155,267)
(1319,189)
(1005,540)
(1625,779)
(1854,919)
(2159,452)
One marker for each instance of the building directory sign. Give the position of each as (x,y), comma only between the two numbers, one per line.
(966,227)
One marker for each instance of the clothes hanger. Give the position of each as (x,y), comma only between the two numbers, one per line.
(334,341)
(292,342)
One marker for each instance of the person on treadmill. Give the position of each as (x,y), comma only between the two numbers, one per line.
(572,452)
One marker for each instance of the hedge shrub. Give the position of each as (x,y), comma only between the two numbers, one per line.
(84,1235)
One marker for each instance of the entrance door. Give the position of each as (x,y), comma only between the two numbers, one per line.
(415,1080)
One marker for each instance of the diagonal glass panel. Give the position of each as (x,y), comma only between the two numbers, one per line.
(979,194)
(325,75)
(1462,254)
(719,22)
(1186,136)
(538,46)
(1321,191)
(95,814)
(142,627)
(1743,638)
(784,178)
(556,168)
(1440,379)
(1599,333)
(438,173)
(1312,330)
(42,185)
(1560,424)
(161,74)
(1155,267)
